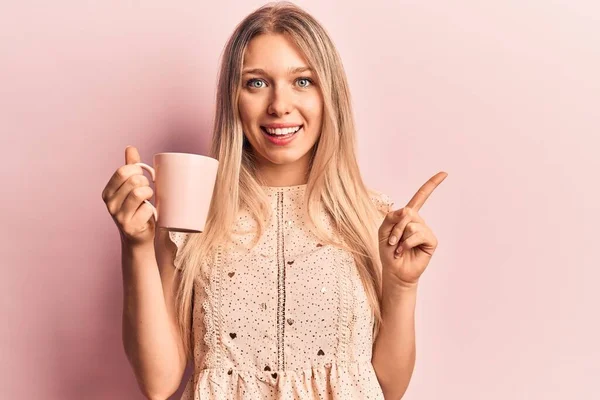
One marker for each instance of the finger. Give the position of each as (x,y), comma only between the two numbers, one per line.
(132,155)
(425,191)
(416,238)
(422,238)
(142,216)
(116,201)
(411,229)
(133,204)
(392,219)
(122,174)
(407,215)
(118,179)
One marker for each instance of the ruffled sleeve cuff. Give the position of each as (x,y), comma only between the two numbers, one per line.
(180,239)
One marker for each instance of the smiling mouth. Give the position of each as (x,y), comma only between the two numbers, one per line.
(281,134)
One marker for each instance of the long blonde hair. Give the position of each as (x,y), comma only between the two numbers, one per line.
(334,182)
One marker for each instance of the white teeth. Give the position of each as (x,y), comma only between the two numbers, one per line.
(282,131)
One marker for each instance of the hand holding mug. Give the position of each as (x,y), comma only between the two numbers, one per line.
(126,195)
(184,185)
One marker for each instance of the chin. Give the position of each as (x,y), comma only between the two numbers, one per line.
(283,160)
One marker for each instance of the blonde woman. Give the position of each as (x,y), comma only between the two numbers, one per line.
(297,288)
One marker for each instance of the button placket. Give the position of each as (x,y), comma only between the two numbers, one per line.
(281,269)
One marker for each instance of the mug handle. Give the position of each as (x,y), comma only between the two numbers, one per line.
(151,170)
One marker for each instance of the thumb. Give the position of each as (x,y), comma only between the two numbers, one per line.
(388,223)
(131,155)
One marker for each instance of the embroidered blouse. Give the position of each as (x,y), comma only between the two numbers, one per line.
(287,319)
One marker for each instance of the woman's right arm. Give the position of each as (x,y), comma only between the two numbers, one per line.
(151,338)
(150,332)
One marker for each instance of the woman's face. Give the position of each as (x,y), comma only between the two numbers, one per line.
(279,95)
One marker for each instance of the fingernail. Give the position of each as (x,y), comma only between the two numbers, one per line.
(393,240)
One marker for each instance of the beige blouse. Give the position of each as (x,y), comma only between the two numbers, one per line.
(287,319)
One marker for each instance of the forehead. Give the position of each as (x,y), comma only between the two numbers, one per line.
(274,53)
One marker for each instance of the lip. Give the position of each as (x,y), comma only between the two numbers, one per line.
(280,126)
(278,141)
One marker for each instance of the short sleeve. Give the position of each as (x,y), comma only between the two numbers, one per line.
(180,239)
(383,203)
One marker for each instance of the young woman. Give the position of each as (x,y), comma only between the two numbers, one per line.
(303,284)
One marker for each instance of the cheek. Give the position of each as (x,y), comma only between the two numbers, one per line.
(313,108)
(248,109)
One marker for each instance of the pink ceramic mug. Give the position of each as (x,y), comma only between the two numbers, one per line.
(184,185)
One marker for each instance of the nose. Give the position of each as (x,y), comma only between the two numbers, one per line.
(281,102)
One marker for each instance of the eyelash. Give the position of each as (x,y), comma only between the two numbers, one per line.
(249,82)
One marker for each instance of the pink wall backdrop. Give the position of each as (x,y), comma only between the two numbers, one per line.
(502,95)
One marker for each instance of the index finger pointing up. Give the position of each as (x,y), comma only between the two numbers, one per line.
(424,191)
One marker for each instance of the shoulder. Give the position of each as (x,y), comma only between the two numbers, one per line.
(179,239)
(382,202)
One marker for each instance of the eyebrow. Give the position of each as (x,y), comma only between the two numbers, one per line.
(291,71)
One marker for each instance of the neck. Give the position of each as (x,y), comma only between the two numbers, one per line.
(291,174)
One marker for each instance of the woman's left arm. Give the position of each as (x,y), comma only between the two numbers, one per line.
(394,350)
(406,245)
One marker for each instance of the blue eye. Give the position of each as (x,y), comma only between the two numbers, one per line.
(307,80)
(256,83)
(251,82)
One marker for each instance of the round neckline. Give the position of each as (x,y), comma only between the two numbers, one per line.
(293,188)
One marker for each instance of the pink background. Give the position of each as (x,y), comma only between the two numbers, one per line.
(504,96)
